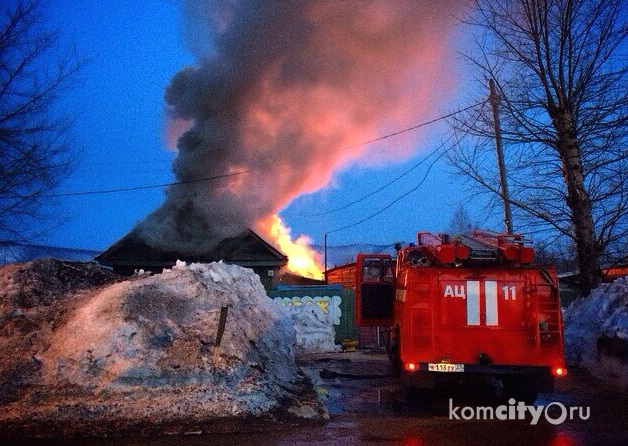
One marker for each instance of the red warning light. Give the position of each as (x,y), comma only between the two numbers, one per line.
(559,371)
(411,366)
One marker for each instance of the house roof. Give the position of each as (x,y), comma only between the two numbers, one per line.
(247,249)
(11,252)
(609,273)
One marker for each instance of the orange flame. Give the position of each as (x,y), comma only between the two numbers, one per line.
(302,259)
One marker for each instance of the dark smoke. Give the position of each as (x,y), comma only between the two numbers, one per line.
(278,88)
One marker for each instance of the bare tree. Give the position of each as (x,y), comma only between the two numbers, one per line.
(561,72)
(460,222)
(34,153)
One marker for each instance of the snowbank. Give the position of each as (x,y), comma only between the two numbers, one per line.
(140,353)
(314,329)
(592,322)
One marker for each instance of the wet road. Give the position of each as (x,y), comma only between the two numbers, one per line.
(367,407)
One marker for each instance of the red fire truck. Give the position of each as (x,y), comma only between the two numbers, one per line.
(464,309)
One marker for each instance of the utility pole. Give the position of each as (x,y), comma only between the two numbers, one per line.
(494,99)
(325,243)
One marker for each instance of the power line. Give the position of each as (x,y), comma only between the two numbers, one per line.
(381,188)
(152,186)
(217,177)
(415,127)
(389,205)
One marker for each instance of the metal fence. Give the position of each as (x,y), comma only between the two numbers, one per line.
(334,299)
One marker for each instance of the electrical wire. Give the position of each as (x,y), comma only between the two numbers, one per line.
(389,205)
(415,127)
(217,177)
(152,186)
(381,188)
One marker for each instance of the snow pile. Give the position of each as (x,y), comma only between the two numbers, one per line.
(35,299)
(587,321)
(43,282)
(140,352)
(314,329)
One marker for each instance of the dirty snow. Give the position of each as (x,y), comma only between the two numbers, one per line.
(314,328)
(142,350)
(603,313)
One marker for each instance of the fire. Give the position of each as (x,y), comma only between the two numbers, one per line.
(302,259)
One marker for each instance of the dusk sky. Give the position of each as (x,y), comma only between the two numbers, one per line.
(135,49)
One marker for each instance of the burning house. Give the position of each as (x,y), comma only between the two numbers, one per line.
(247,249)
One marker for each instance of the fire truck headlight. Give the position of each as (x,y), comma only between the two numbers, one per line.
(411,367)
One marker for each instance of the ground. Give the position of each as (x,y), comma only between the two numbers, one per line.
(367,407)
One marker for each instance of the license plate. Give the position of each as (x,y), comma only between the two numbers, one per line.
(442,367)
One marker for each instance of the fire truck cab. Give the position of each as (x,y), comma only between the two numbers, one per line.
(465,309)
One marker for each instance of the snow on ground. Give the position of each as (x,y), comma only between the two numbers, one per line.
(141,351)
(596,331)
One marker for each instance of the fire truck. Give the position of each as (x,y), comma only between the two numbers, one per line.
(464,309)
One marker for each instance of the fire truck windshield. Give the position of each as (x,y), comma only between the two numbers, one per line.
(376,269)
(371,269)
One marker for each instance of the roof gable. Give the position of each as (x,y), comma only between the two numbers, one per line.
(247,249)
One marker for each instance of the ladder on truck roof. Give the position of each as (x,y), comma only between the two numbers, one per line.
(477,247)
(479,250)
(489,245)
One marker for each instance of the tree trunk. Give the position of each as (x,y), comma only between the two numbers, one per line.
(578,201)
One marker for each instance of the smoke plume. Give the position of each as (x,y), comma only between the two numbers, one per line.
(279,89)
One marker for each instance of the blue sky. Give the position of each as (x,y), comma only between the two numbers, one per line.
(118,100)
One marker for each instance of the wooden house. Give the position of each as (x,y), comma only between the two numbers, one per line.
(248,249)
